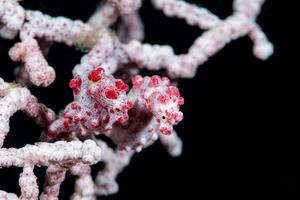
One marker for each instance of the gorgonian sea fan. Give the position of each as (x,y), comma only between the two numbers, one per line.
(104,103)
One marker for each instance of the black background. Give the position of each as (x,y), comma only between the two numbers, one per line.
(239,140)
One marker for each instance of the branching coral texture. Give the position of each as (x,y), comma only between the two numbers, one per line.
(133,118)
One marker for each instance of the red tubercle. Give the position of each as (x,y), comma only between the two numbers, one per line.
(178,116)
(66,124)
(88,92)
(168,114)
(127,105)
(96,105)
(155,81)
(76,91)
(165,131)
(173,91)
(120,120)
(106,119)
(88,113)
(124,106)
(66,114)
(162,99)
(74,105)
(78,117)
(95,75)
(166,81)
(180,101)
(75,82)
(50,133)
(137,80)
(111,93)
(121,85)
(95,123)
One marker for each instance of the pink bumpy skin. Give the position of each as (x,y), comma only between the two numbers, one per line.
(99,102)
(155,111)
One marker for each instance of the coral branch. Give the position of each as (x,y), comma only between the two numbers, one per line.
(114,161)
(57,29)
(59,157)
(8,196)
(14,98)
(55,175)
(12,16)
(133,118)
(126,6)
(193,14)
(104,16)
(45,154)
(131,28)
(84,185)
(35,65)
(241,23)
(28,184)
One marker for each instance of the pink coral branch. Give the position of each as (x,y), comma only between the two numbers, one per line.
(55,175)
(126,6)
(35,65)
(154,57)
(84,185)
(57,29)
(8,196)
(114,161)
(45,154)
(14,98)
(28,184)
(133,118)
(59,157)
(240,24)
(192,14)
(12,16)
(105,15)
(131,28)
